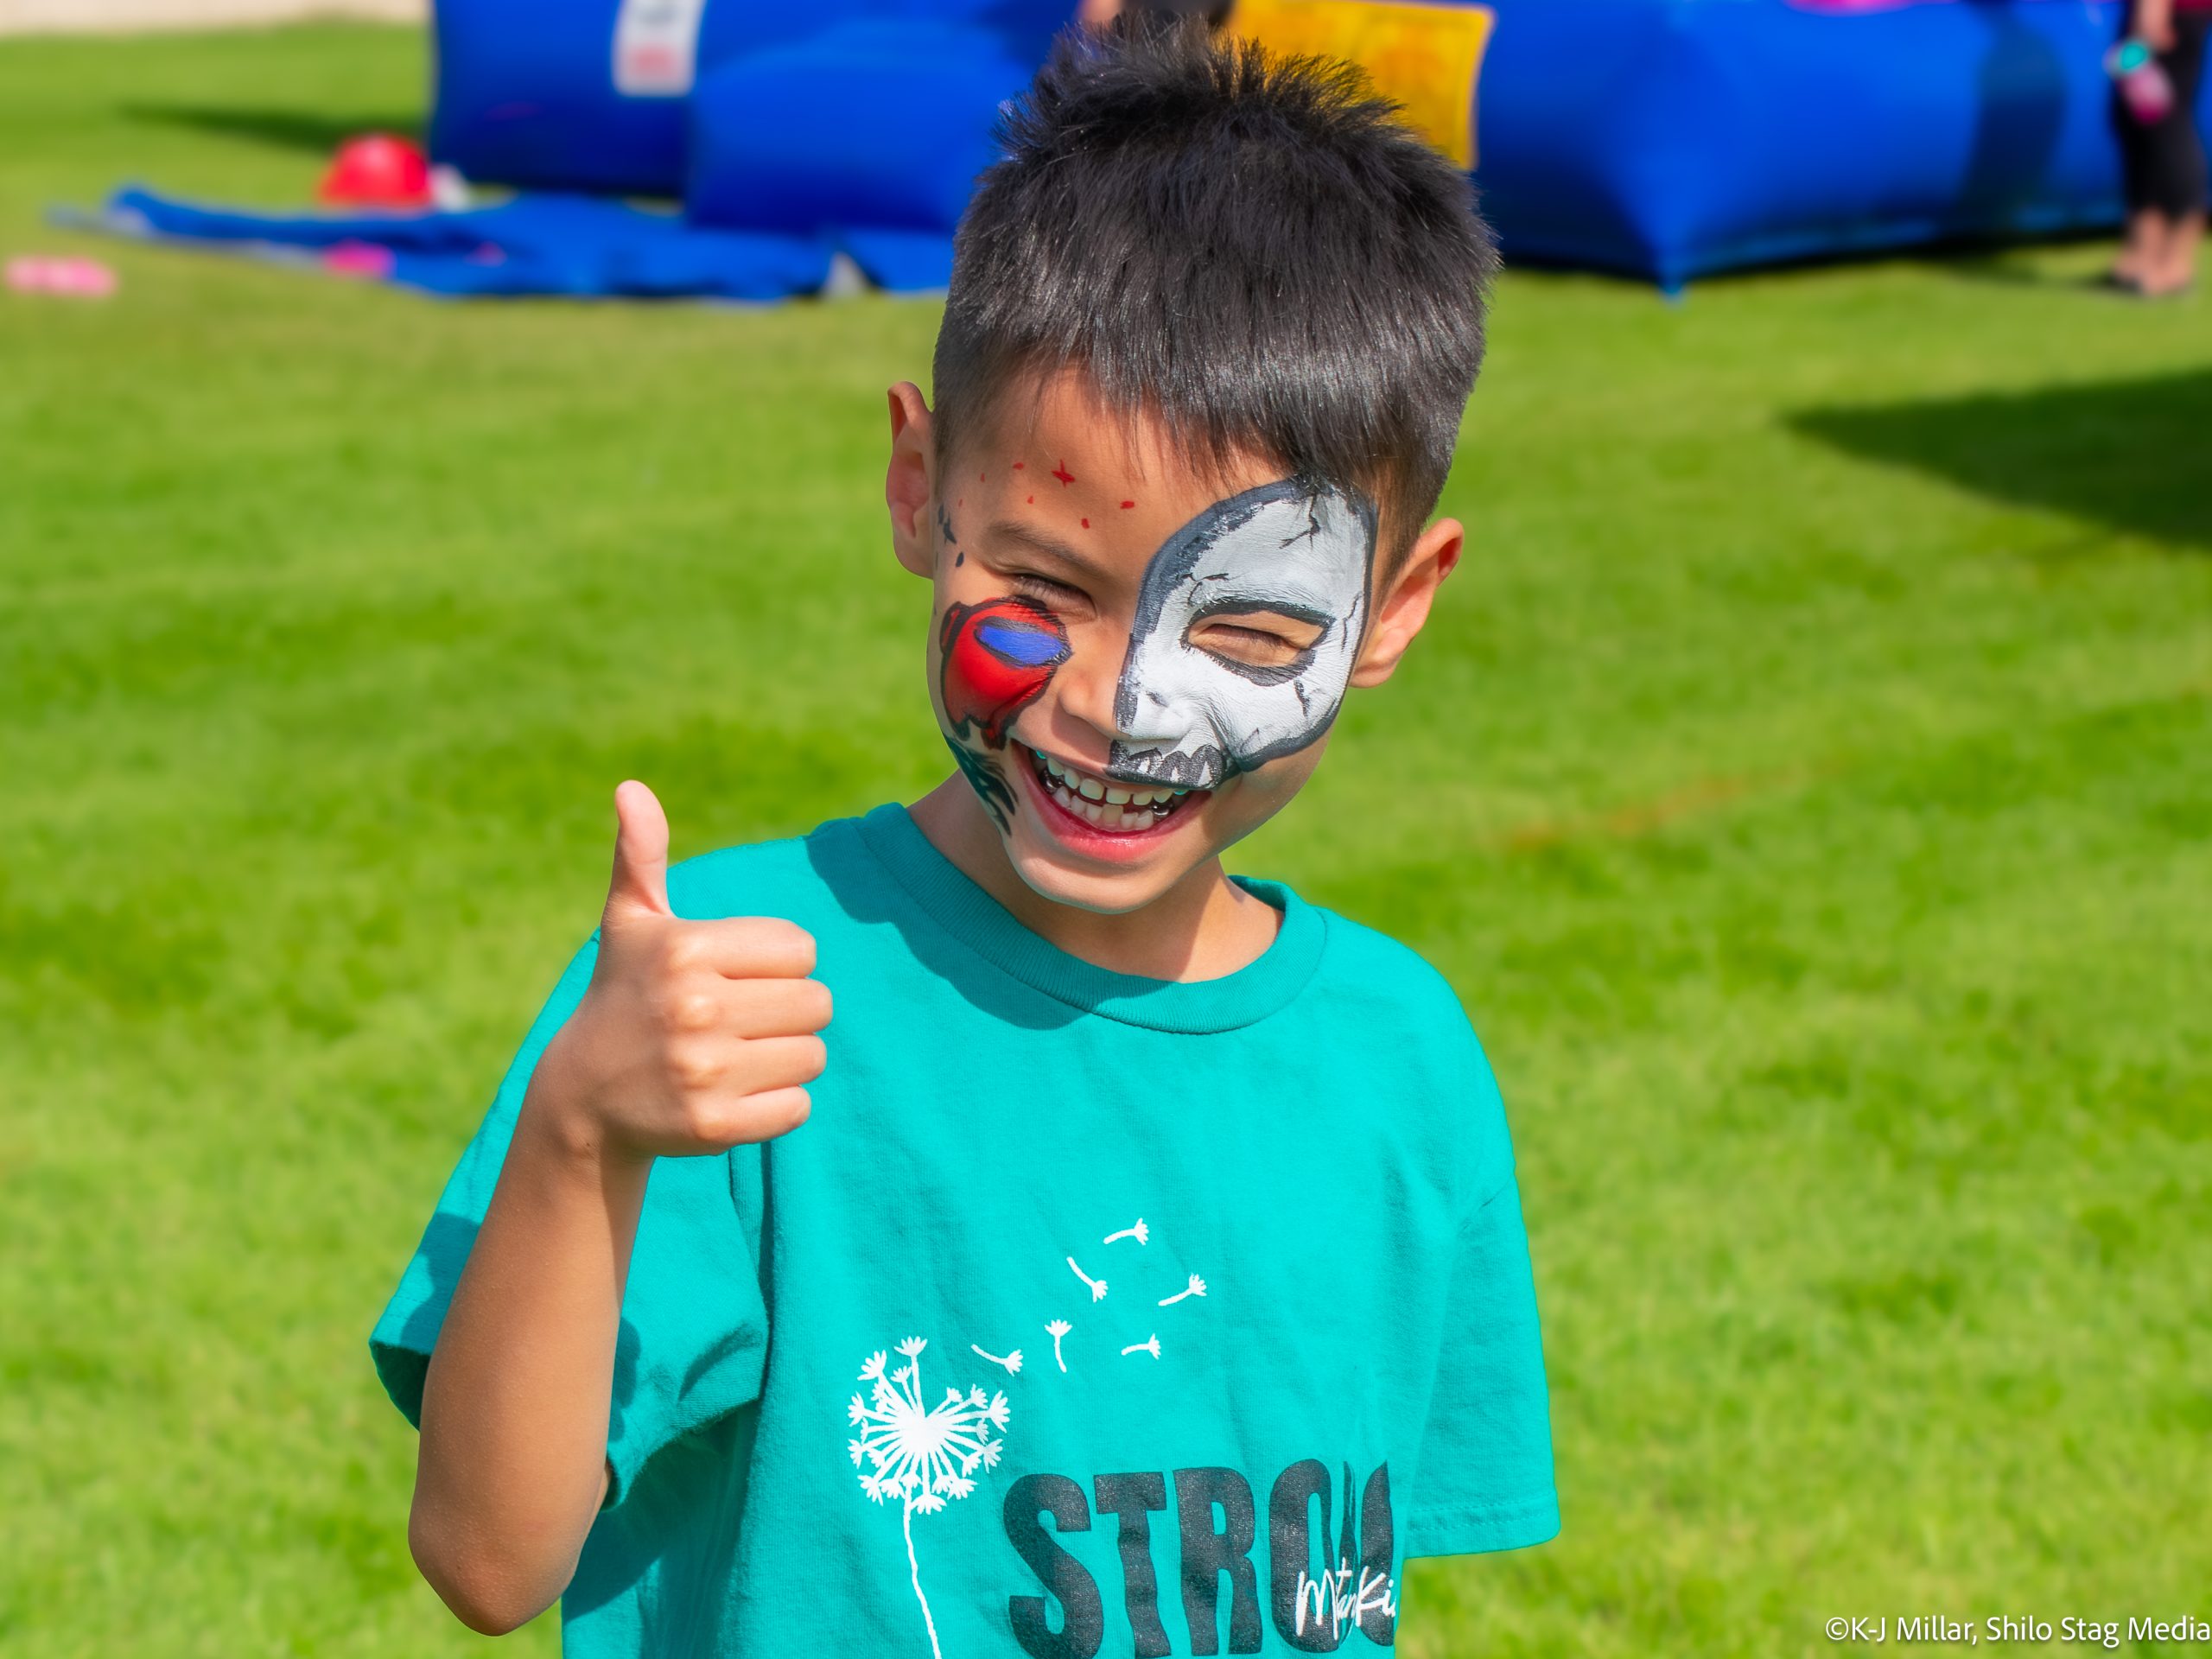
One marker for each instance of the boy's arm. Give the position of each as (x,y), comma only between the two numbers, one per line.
(513,1464)
(694,1037)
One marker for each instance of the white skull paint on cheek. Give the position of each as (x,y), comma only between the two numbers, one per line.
(1190,719)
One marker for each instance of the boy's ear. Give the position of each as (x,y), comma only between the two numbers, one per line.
(910,481)
(1402,611)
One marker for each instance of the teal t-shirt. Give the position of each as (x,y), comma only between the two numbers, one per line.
(1086,1314)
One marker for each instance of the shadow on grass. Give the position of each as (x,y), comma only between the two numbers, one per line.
(2125,454)
(2005,268)
(277,128)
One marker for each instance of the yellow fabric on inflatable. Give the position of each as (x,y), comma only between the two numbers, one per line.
(1426,58)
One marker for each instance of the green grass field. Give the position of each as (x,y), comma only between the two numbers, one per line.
(1808,784)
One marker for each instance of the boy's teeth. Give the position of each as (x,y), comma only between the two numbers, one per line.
(1110,806)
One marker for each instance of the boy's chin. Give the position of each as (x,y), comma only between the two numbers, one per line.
(1107,893)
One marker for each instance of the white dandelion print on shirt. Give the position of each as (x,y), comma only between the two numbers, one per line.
(924,1457)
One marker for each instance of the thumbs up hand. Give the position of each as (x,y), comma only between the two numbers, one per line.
(694,1037)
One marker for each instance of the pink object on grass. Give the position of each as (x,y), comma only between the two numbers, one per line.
(66,274)
(357,259)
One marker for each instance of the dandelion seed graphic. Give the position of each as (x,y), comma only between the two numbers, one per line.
(1097,1286)
(1137,1232)
(1059,1328)
(921,1456)
(1150,1345)
(1197,1287)
(1012,1361)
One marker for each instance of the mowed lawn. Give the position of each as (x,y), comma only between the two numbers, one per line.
(1807,783)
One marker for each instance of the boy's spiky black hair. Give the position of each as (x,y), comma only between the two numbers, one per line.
(1246,246)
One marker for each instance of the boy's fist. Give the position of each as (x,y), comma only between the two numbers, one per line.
(694,1036)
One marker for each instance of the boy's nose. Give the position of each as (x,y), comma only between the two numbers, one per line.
(1151,719)
(1158,711)
(1083,694)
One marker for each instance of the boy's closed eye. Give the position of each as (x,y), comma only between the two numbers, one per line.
(1257,639)
(1054,595)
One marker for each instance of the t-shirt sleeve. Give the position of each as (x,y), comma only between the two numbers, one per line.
(1484,1478)
(694,1323)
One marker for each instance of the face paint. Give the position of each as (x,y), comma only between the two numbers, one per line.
(1190,719)
(997,657)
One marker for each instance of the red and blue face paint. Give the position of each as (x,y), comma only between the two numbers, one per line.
(997,657)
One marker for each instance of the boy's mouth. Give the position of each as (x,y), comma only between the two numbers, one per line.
(1100,803)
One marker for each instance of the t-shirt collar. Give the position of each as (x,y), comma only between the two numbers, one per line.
(1001,944)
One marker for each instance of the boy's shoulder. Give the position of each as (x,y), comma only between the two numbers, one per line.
(1399,1022)
(1368,966)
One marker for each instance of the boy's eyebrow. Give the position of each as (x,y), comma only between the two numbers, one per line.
(1036,541)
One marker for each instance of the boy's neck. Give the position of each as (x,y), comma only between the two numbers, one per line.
(1203,927)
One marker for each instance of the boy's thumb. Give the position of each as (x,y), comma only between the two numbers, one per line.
(640,880)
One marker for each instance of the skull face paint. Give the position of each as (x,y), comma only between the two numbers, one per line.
(1190,719)
(997,659)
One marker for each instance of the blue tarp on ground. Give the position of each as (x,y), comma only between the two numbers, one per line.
(574,246)
(808,142)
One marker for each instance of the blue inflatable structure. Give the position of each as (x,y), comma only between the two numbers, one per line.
(558,94)
(1665,139)
(828,137)
(862,121)
(1672,138)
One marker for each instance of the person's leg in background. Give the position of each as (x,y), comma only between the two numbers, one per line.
(2176,182)
(2146,225)
(2162,162)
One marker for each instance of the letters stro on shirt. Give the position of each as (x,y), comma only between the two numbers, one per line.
(1313,1604)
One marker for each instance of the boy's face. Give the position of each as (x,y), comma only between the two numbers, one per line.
(1136,665)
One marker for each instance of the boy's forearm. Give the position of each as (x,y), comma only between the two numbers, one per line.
(513,1464)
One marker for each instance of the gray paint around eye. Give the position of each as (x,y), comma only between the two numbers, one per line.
(1189,719)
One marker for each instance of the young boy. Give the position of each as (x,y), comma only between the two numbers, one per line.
(1136,1265)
